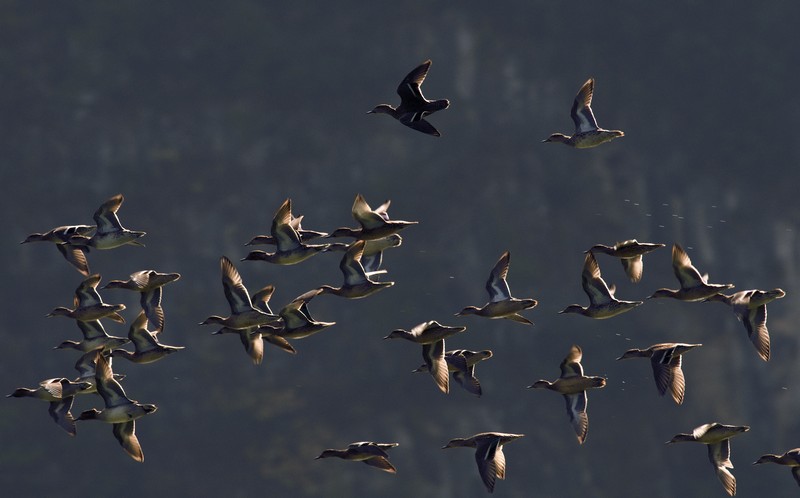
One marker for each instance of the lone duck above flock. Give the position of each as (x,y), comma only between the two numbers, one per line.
(414,107)
(431,336)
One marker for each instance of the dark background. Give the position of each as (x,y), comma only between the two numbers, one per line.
(207,115)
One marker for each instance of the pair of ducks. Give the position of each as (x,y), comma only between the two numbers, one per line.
(120,411)
(665,358)
(717,437)
(291,247)
(87,312)
(95,376)
(488,454)
(74,241)
(414,107)
(289,237)
(252,318)
(461,363)
(431,336)
(602,302)
(438,362)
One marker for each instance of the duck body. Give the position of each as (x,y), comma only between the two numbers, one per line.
(428,332)
(586,139)
(105,344)
(94,338)
(287,258)
(91,312)
(508,309)
(60,235)
(305,235)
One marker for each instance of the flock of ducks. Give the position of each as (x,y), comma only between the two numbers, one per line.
(252,319)
(97,348)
